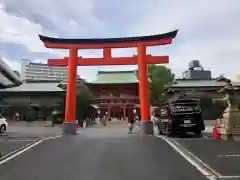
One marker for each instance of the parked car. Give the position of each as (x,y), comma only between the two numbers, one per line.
(3,124)
(180,116)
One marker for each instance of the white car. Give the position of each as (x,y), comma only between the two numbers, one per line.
(3,124)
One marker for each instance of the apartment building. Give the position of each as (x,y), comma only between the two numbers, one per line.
(42,72)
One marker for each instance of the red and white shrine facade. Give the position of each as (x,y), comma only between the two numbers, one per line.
(115,93)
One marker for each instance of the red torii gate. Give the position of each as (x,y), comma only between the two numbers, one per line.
(142,60)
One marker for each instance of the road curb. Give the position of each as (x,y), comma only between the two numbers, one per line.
(19,149)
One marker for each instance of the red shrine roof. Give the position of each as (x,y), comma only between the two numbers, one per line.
(116,77)
(109,40)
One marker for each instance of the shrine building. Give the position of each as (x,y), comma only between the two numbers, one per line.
(115,93)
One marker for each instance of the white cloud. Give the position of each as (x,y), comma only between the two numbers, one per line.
(208,30)
(18,30)
(69,18)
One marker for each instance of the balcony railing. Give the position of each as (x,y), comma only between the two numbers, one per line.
(116,98)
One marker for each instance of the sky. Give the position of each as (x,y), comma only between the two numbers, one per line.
(209,31)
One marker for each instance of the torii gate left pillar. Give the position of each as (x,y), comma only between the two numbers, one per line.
(142,60)
(69,126)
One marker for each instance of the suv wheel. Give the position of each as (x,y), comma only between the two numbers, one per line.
(198,132)
(160,132)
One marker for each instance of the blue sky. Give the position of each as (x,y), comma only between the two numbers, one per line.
(209,31)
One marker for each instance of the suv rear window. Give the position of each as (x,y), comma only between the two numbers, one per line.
(186,108)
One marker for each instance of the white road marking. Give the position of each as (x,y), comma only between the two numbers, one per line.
(206,137)
(192,161)
(199,161)
(26,149)
(187,139)
(52,137)
(229,155)
(16,140)
(228,177)
(20,152)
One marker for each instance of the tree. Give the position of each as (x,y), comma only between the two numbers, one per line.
(159,76)
(83,101)
(211,109)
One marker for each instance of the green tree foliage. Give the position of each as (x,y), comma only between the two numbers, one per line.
(159,76)
(84,99)
(211,109)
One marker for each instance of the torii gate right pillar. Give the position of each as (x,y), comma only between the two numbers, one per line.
(146,126)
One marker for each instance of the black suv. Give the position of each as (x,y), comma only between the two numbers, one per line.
(180,116)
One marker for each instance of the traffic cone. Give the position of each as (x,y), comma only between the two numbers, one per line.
(216,134)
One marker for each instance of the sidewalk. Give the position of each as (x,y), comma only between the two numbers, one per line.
(32,123)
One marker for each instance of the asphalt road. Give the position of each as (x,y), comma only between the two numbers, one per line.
(222,156)
(10,142)
(19,135)
(10,146)
(100,154)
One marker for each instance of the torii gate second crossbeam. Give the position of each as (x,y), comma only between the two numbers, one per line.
(141,59)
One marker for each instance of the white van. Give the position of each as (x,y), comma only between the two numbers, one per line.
(3,124)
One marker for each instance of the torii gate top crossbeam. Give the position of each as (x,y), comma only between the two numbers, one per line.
(124,42)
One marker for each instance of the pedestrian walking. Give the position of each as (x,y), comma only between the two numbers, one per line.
(131,125)
(17,115)
(105,118)
(137,124)
(54,117)
(131,121)
(98,120)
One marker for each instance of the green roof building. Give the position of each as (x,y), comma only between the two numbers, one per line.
(116,77)
(115,92)
(209,87)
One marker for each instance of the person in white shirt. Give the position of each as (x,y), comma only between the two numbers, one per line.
(152,117)
(17,116)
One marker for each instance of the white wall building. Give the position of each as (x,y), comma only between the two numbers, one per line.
(42,72)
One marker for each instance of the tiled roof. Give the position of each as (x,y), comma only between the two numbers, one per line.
(35,87)
(167,35)
(116,77)
(202,83)
(63,85)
